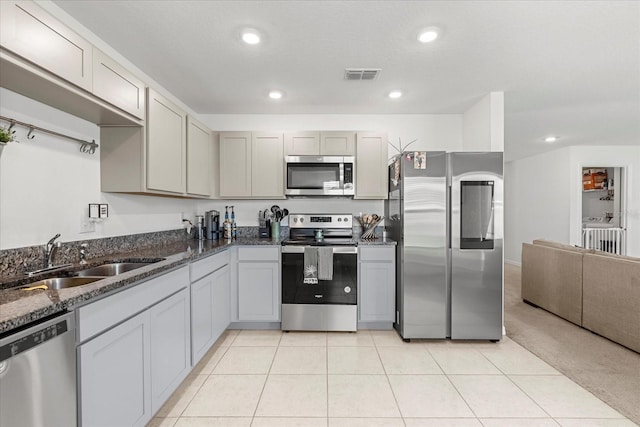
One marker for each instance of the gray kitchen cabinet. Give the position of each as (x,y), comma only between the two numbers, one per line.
(133,350)
(302,143)
(199,145)
(115,376)
(166,145)
(377,284)
(259,284)
(235,164)
(337,143)
(371,165)
(170,346)
(210,303)
(267,165)
(116,85)
(30,32)
(251,165)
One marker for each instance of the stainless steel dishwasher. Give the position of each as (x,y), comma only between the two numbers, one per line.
(38,375)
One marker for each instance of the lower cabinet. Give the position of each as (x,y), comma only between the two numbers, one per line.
(210,311)
(259,284)
(170,346)
(115,376)
(377,285)
(136,351)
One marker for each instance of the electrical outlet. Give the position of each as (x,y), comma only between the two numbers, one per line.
(87,226)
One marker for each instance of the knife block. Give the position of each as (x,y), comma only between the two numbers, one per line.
(264,230)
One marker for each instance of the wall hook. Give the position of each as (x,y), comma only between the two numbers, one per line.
(30,134)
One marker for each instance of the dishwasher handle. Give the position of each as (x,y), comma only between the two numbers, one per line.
(34,336)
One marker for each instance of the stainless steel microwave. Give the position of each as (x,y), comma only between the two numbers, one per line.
(319,176)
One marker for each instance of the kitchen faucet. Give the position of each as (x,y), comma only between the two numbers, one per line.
(50,250)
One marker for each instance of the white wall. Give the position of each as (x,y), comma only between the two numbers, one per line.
(46,184)
(536,201)
(483,124)
(543,195)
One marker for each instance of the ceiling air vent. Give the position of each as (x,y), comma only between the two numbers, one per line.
(361,73)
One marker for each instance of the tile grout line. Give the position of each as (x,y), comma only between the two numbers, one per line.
(386,375)
(266,379)
(207,375)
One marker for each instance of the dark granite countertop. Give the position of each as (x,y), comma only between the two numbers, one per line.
(19,307)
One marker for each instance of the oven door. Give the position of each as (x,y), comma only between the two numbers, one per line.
(314,175)
(342,290)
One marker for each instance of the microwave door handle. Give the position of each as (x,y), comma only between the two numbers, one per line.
(341,165)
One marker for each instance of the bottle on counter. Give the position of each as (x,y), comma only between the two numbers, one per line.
(234,227)
(226,228)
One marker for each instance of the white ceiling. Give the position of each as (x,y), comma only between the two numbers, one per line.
(570,68)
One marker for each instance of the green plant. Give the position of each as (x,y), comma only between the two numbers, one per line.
(6,135)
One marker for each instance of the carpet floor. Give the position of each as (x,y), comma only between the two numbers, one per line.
(608,370)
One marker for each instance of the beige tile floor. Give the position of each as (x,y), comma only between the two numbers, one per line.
(373,378)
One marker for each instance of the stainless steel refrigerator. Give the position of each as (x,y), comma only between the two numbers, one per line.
(445,210)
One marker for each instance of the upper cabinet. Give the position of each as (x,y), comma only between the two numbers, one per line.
(235,164)
(43,59)
(302,143)
(319,143)
(30,32)
(171,155)
(113,83)
(267,165)
(338,143)
(251,165)
(166,145)
(371,165)
(199,145)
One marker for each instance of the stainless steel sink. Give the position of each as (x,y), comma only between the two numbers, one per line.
(112,269)
(60,283)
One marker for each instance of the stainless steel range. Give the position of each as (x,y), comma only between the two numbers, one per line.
(320,274)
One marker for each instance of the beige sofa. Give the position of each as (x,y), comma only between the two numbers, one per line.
(593,289)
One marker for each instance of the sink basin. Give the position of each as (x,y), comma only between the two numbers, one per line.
(112,269)
(61,282)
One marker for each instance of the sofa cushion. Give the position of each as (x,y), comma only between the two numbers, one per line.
(552,279)
(563,246)
(611,297)
(616,256)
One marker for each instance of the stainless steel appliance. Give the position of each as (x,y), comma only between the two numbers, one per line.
(38,375)
(320,305)
(445,210)
(212,225)
(319,176)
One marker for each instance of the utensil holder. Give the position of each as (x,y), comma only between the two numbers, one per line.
(369,229)
(275,230)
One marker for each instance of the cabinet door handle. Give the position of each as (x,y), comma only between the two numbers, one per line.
(318,296)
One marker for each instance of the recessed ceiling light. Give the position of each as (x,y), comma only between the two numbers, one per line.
(551,139)
(428,35)
(395,94)
(275,94)
(250,37)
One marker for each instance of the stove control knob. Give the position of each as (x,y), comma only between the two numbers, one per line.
(339,219)
(346,219)
(301,219)
(347,289)
(295,219)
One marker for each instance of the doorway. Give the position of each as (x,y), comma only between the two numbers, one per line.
(603,209)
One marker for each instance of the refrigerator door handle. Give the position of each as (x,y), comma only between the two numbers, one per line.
(449,217)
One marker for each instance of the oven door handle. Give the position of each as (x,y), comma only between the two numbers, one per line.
(336,249)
